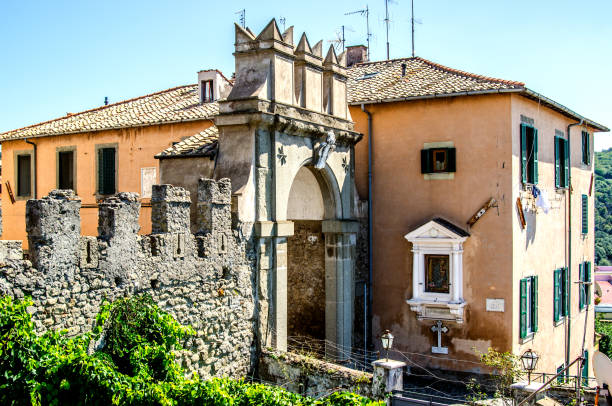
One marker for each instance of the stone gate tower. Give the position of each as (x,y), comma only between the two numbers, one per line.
(288,112)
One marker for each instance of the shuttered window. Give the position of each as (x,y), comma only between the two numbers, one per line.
(586,148)
(585,214)
(585,368)
(528,306)
(529,154)
(561,162)
(560,302)
(24,175)
(559,371)
(585,289)
(438,160)
(106,171)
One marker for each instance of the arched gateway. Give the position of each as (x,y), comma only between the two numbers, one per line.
(286,141)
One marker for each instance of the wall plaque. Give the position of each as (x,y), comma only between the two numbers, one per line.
(495,305)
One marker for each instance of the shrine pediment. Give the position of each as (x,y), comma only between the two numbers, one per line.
(437,230)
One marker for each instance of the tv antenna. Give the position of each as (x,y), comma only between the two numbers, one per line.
(242,17)
(387,23)
(365,12)
(282,20)
(412,20)
(340,38)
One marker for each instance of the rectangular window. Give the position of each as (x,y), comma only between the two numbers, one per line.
(585,214)
(560,291)
(437,274)
(586,148)
(207,91)
(529,306)
(24,175)
(560,379)
(106,171)
(65,169)
(584,270)
(561,162)
(438,160)
(529,154)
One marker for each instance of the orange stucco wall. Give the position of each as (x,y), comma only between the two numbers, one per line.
(479,127)
(485,133)
(136,149)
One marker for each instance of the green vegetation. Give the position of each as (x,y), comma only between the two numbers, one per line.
(603,207)
(605,329)
(133,364)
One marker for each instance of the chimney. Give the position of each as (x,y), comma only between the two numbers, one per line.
(212,85)
(356,54)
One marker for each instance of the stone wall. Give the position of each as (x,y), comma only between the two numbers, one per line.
(311,377)
(306,280)
(203,279)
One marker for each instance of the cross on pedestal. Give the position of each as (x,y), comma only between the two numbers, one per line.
(439,328)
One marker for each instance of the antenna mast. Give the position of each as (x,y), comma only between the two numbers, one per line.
(365,12)
(387,23)
(412,21)
(242,17)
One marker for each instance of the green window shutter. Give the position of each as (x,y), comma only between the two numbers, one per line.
(585,367)
(587,288)
(585,214)
(426,161)
(566,162)
(560,375)
(534,303)
(535,156)
(100,171)
(557,295)
(451,154)
(565,287)
(557,161)
(588,148)
(581,290)
(109,170)
(524,153)
(523,309)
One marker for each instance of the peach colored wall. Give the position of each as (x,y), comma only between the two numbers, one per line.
(136,149)
(541,247)
(479,126)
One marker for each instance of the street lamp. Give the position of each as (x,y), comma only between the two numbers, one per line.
(529,360)
(387,341)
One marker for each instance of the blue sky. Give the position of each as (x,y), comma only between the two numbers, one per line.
(66,56)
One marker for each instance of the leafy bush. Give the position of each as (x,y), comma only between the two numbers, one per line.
(133,366)
(603,207)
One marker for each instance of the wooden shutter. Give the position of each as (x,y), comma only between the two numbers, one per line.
(100,172)
(581,278)
(24,175)
(588,148)
(585,367)
(523,309)
(524,153)
(535,157)
(109,170)
(557,295)
(451,156)
(426,161)
(565,294)
(557,161)
(587,288)
(534,303)
(566,163)
(585,214)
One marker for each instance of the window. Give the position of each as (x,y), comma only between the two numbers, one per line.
(65,170)
(529,306)
(106,171)
(584,270)
(206,87)
(529,154)
(586,148)
(560,378)
(24,175)
(585,368)
(585,214)
(560,290)
(437,160)
(561,162)
(437,273)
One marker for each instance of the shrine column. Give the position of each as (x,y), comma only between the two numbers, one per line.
(340,241)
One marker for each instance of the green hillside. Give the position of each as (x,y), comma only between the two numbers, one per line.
(603,207)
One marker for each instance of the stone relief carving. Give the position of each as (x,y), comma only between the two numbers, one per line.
(324,149)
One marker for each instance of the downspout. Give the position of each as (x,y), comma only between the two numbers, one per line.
(569,253)
(370,231)
(35,168)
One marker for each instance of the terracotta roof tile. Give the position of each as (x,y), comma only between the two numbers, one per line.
(200,144)
(171,105)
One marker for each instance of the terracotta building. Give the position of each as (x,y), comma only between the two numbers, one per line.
(465,256)
(103,151)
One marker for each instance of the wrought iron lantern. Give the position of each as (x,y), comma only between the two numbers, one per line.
(387,341)
(529,360)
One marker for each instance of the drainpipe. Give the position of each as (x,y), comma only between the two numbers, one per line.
(370,231)
(569,253)
(35,166)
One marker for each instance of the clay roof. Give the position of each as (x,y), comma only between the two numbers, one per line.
(201,144)
(382,81)
(172,105)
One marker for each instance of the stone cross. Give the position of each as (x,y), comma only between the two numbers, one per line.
(439,328)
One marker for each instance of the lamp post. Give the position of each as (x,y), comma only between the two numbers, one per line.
(529,360)
(387,341)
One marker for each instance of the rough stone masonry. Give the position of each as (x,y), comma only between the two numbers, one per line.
(204,280)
